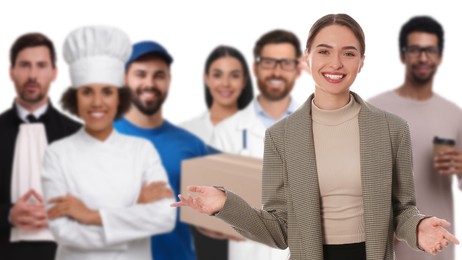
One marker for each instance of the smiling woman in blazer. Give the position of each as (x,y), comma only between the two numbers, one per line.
(337,173)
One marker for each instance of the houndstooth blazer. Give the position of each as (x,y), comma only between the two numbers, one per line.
(291,215)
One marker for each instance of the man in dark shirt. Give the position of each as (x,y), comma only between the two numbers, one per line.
(33,68)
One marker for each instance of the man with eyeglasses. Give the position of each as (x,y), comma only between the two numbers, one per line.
(276,68)
(421,46)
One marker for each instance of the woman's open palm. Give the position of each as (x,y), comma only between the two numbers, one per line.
(207,200)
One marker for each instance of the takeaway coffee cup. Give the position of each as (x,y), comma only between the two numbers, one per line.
(441,144)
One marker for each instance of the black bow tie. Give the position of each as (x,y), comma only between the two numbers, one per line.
(32,119)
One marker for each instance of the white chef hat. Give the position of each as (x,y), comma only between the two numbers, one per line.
(97,54)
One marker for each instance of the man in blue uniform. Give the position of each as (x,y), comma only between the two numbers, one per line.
(147,74)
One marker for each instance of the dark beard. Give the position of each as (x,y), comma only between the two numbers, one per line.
(147,110)
(269,95)
(421,80)
(32,100)
(152,107)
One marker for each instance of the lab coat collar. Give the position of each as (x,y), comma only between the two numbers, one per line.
(249,120)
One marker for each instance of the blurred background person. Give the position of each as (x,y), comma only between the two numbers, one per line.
(148,76)
(276,69)
(228,89)
(421,43)
(25,130)
(99,184)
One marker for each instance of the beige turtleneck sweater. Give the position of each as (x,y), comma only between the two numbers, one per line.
(336,139)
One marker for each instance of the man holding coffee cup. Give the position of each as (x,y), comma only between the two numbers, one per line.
(435,124)
(446,156)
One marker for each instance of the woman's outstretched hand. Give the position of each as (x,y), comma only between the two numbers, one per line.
(207,200)
(432,235)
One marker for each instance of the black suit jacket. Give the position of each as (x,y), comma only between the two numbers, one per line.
(57,126)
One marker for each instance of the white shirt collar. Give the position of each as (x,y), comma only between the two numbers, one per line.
(23,112)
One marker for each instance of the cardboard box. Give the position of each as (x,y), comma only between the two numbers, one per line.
(239,174)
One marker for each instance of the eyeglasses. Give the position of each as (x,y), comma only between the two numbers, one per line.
(270,63)
(415,51)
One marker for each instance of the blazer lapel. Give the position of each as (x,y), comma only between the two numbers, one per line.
(303,178)
(376,176)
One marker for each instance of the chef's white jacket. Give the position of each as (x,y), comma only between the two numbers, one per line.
(106,176)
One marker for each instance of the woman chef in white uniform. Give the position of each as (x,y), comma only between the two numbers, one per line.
(106,193)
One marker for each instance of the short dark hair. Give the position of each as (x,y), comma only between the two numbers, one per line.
(275,37)
(32,40)
(69,101)
(227,51)
(339,19)
(424,24)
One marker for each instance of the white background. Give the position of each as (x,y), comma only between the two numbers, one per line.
(191,29)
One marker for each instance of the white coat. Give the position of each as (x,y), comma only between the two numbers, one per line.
(201,126)
(106,176)
(244,134)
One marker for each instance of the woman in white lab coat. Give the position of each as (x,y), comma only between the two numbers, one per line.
(228,89)
(106,193)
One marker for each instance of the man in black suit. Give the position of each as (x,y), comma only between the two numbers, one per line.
(33,68)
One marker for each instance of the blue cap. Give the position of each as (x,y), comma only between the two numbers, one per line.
(146,47)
